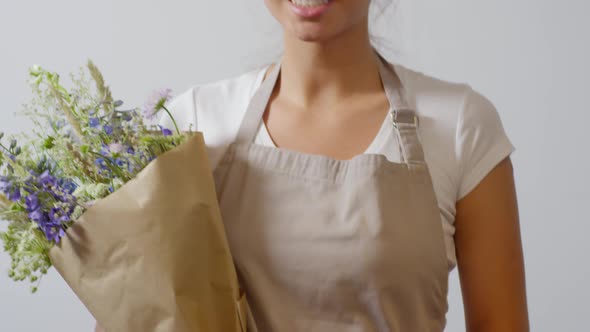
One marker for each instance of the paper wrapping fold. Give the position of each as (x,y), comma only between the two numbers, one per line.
(153,256)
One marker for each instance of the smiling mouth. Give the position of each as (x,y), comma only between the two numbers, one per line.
(310,3)
(310,9)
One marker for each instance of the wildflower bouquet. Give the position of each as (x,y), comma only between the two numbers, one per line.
(125,211)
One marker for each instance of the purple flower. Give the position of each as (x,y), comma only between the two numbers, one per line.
(37,216)
(49,202)
(93,122)
(11,191)
(130,150)
(58,216)
(108,129)
(32,203)
(53,231)
(47,179)
(156,102)
(67,186)
(15,195)
(52,223)
(5,184)
(166,132)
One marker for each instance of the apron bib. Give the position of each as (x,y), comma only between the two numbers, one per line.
(335,245)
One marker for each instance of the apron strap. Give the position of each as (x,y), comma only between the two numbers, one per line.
(403,117)
(257,106)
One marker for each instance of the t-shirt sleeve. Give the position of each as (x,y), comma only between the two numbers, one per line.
(183,110)
(481,141)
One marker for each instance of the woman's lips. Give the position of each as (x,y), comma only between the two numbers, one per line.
(309,12)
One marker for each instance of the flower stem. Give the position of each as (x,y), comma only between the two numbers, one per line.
(5,149)
(172,118)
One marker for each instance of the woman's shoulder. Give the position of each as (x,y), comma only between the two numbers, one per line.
(430,95)
(215,108)
(461,130)
(446,103)
(221,99)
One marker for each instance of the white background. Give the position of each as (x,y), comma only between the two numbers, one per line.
(528,56)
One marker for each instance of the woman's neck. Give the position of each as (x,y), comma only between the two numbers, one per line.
(322,74)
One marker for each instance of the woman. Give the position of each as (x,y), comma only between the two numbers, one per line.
(355,185)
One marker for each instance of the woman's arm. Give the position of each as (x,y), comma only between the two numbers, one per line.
(489,255)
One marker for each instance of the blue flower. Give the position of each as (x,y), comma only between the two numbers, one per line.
(58,216)
(46,191)
(32,203)
(51,223)
(166,132)
(8,188)
(15,195)
(108,129)
(53,231)
(38,216)
(100,162)
(68,186)
(93,122)
(47,179)
(5,184)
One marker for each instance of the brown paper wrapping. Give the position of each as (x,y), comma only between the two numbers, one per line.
(153,256)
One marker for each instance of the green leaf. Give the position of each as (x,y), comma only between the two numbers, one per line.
(49,143)
(17,208)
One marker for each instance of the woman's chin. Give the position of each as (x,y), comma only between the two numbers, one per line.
(310,37)
(311,32)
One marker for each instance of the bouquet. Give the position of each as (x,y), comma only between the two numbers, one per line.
(125,211)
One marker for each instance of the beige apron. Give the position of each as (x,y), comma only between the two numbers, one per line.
(335,245)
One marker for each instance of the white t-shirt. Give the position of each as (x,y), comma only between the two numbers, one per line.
(460,130)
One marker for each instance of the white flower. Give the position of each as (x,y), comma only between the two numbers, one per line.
(116,148)
(156,102)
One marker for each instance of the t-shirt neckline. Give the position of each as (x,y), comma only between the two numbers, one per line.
(376,145)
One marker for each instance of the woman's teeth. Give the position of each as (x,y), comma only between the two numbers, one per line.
(309,3)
